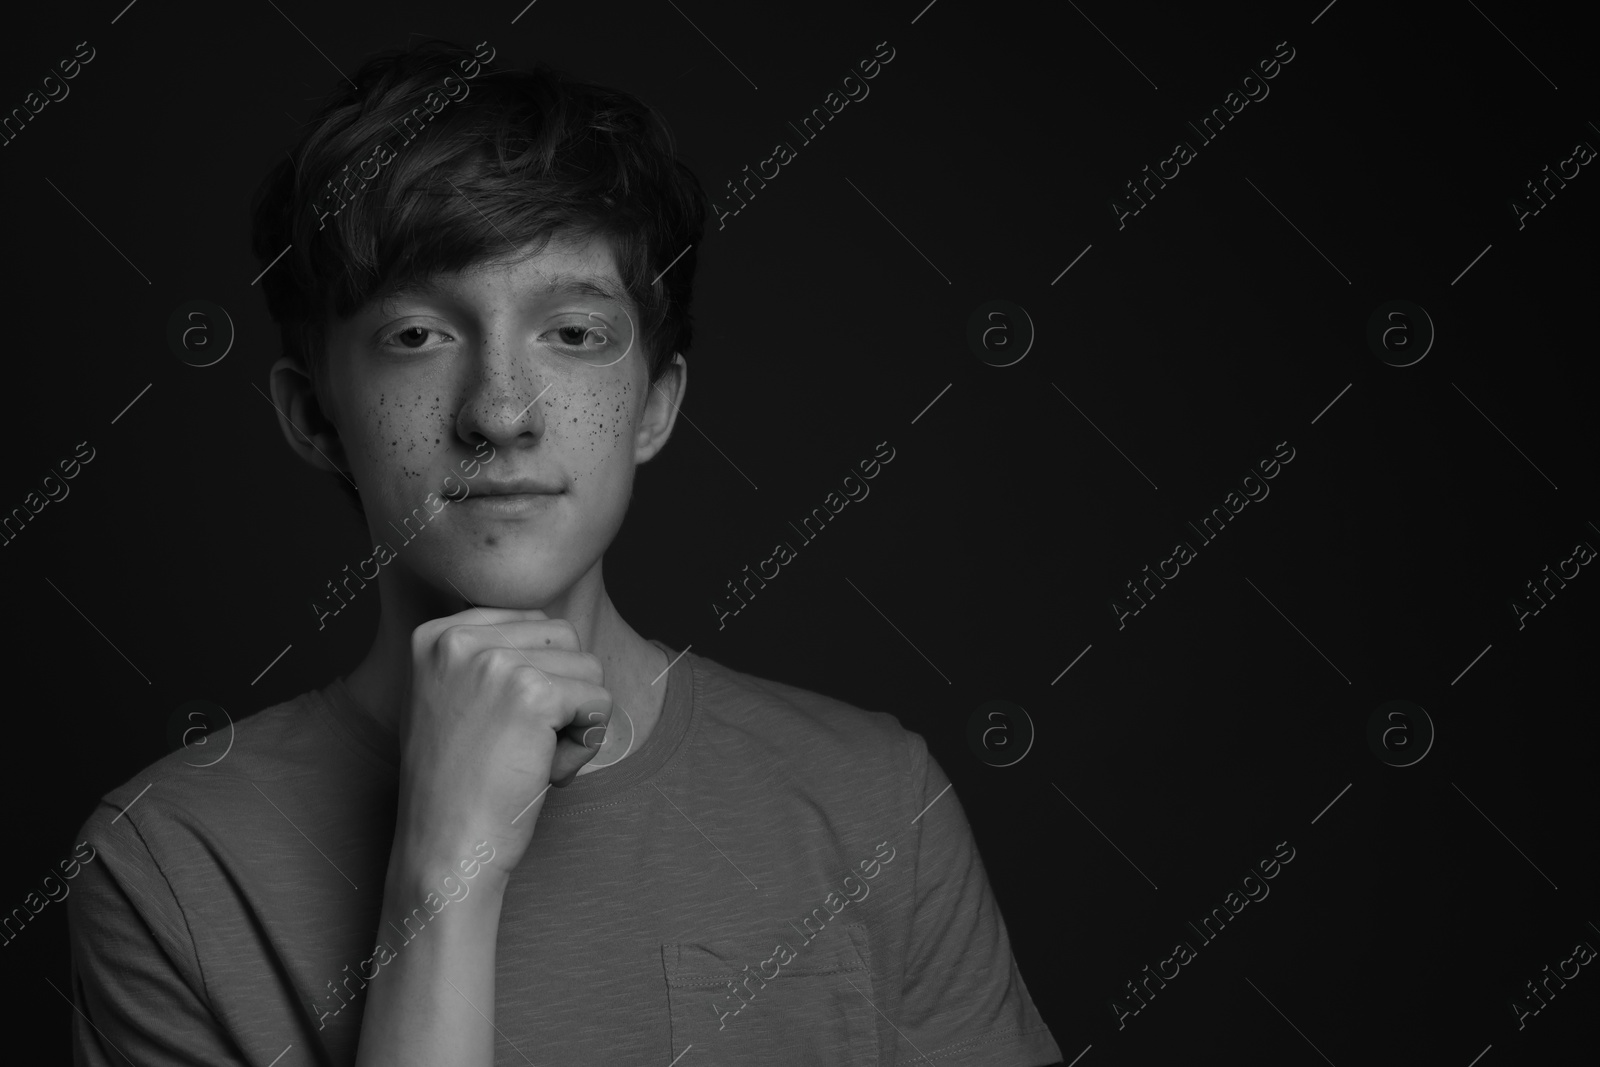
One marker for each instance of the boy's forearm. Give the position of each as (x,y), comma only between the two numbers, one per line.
(433,1001)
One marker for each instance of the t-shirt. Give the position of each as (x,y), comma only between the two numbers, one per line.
(772,877)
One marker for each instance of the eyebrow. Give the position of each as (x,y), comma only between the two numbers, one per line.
(585,285)
(562,285)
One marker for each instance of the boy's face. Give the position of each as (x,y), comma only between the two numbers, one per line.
(528,360)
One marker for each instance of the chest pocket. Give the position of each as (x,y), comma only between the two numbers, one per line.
(729,1004)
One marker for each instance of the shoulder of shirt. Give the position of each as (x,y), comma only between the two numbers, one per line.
(766,707)
(273,745)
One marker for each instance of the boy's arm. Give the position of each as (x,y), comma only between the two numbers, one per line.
(964,1000)
(433,1002)
(137,993)
(492,717)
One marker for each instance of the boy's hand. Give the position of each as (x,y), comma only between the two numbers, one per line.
(503,704)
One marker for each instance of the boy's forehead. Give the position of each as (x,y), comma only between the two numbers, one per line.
(564,270)
(551,262)
(542,283)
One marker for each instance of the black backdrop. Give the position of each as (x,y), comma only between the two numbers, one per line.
(1177,351)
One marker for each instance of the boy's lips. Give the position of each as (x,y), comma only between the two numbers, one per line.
(512,487)
(508,504)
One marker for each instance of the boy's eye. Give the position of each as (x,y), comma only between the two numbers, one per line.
(581,335)
(594,342)
(410,336)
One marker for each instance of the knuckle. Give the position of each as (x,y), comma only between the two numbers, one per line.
(455,642)
(488,664)
(528,683)
(498,660)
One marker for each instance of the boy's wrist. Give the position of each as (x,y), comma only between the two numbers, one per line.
(415,879)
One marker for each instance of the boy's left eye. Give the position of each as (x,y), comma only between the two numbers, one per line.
(581,335)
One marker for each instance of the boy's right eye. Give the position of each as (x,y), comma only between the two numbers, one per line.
(410,337)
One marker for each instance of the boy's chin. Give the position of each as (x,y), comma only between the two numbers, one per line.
(498,587)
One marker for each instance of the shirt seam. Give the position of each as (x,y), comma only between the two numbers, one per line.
(717,980)
(183,913)
(1009,1034)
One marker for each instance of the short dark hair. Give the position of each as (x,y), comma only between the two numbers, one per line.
(505,159)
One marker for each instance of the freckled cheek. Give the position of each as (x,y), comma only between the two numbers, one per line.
(395,441)
(599,441)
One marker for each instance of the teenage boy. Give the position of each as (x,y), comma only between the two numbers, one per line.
(483,315)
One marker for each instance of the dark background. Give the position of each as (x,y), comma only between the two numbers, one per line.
(1213,726)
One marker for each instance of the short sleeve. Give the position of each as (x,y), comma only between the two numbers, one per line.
(964,1003)
(136,983)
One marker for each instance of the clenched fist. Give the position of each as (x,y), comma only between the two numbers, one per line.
(503,703)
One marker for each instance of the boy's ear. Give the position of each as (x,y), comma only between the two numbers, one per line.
(310,433)
(661,409)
